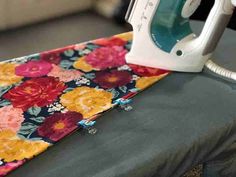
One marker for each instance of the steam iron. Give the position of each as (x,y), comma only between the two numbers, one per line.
(164,39)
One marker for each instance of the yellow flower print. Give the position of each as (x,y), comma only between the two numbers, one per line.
(13,148)
(83,65)
(87,101)
(7,74)
(125,36)
(145,82)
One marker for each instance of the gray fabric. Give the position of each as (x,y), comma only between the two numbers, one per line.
(184,120)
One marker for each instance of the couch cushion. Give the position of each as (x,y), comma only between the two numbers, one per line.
(20,12)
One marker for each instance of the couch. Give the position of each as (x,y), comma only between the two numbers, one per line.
(15,13)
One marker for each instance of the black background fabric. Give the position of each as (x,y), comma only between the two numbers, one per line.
(183,120)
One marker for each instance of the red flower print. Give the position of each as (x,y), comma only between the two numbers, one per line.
(5,169)
(147,71)
(113,41)
(50,57)
(54,56)
(33,69)
(35,92)
(59,125)
(107,57)
(112,79)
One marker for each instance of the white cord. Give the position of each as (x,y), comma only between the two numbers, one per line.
(220,70)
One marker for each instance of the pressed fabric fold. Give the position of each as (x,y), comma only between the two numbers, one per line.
(43,96)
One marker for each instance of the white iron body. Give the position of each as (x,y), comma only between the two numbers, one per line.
(195,51)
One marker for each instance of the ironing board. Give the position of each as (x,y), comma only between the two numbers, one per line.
(185,120)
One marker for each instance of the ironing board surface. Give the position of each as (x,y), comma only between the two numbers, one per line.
(184,120)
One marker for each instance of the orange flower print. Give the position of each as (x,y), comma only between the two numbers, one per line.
(7,74)
(13,148)
(87,101)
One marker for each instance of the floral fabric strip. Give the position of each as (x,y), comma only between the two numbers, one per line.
(44,96)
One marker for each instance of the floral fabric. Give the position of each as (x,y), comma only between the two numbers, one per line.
(44,96)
